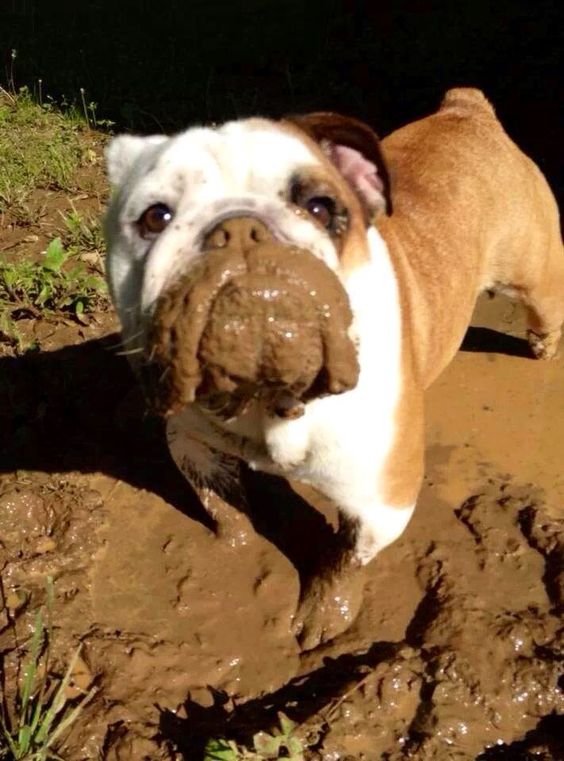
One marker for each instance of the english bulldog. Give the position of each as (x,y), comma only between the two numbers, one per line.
(289,289)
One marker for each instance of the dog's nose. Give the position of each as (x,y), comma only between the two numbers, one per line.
(237,232)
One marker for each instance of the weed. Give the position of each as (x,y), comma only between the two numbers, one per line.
(83,115)
(83,234)
(10,333)
(84,106)
(282,743)
(59,283)
(40,148)
(13,56)
(44,713)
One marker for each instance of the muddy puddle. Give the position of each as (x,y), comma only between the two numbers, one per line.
(457,653)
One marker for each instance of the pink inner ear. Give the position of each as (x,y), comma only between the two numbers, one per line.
(359,172)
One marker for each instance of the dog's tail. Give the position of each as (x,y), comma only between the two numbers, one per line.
(467,99)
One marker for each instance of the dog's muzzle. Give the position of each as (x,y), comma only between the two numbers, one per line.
(252,318)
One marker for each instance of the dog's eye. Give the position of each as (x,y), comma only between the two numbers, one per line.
(322,208)
(154,220)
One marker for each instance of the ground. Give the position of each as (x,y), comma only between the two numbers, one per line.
(186,627)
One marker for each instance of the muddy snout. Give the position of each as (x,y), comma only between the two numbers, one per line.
(252,318)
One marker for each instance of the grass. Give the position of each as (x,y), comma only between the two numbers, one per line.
(39,148)
(282,743)
(42,714)
(58,284)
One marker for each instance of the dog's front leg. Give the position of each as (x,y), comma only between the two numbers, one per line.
(332,593)
(213,473)
(374,484)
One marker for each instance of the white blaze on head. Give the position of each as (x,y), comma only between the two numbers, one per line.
(202,175)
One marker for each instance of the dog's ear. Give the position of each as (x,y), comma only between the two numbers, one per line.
(354,148)
(122,152)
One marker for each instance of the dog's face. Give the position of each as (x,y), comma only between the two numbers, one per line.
(275,202)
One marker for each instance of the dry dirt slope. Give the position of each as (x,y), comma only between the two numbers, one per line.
(186,632)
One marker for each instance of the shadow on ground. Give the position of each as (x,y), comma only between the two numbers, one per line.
(488,340)
(79,408)
(300,699)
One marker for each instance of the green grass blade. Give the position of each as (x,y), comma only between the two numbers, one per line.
(41,688)
(30,669)
(8,738)
(50,597)
(70,717)
(24,740)
(39,708)
(58,701)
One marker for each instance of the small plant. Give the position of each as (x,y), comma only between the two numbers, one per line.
(282,743)
(83,234)
(10,333)
(43,714)
(59,282)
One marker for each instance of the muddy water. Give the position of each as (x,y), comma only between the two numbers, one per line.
(456,649)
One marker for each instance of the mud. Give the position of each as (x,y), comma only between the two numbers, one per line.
(186,625)
(253,316)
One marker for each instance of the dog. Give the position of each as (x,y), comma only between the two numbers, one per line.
(290,289)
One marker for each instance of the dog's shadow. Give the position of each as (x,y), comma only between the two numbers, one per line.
(79,408)
(489,341)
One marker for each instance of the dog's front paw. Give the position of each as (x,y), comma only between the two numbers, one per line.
(328,606)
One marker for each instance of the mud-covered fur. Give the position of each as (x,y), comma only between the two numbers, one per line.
(439,211)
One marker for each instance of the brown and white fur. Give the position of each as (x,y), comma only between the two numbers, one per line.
(439,211)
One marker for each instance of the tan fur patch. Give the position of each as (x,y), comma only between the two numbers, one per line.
(352,248)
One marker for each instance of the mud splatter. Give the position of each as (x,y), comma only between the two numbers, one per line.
(251,315)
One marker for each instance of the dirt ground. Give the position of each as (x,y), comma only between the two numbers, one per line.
(186,626)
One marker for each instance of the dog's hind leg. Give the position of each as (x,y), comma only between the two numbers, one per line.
(544,301)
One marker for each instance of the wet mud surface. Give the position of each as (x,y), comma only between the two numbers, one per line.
(186,625)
